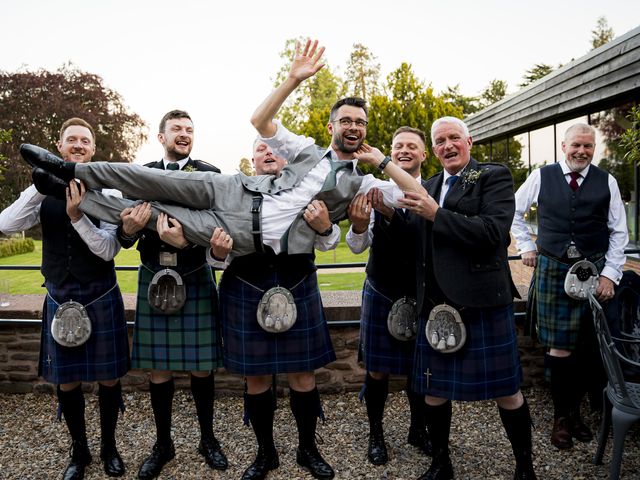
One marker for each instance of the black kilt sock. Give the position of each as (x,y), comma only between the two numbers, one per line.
(203,391)
(72,406)
(375,396)
(305,407)
(517,424)
(562,385)
(417,408)
(260,410)
(162,405)
(109,399)
(439,424)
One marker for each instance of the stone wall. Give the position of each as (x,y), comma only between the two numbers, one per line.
(20,343)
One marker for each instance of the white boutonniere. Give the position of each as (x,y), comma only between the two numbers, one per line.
(470,177)
(189,168)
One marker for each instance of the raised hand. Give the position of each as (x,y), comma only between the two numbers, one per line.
(369,155)
(306,61)
(221,244)
(374,196)
(359,213)
(75,194)
(170,231)
(317,216)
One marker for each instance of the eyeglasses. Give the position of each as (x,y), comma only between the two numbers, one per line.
(346,122)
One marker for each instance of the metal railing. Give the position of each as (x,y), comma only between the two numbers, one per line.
(321,266)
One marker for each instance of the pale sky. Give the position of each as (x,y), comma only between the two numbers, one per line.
(216,59)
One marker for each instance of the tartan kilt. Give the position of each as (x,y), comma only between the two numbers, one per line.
(487,366)
(380,351)
(105,356)
(186,341)
(558,316)
(250,350)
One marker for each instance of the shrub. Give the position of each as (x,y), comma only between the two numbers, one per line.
(16,246)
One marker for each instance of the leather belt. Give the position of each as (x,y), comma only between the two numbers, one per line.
(256,207)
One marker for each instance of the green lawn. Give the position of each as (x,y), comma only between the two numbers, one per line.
(23,282)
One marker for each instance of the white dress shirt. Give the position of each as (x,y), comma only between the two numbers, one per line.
(24,213)
(615,258)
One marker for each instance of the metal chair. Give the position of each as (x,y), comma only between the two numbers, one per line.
(621,396)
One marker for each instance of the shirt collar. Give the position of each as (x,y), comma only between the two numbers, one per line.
(566,170)
(333,156)
(181,163)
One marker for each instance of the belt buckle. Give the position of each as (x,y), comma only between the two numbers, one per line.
(168,259)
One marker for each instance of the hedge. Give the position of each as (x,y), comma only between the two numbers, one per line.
(16,246)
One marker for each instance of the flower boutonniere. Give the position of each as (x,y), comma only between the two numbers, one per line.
(189,168)
(470,177)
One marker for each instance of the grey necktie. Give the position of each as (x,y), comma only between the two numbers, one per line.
(330,181)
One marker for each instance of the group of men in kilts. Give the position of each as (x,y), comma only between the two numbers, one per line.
(444,244)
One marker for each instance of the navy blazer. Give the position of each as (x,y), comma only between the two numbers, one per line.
(465,247)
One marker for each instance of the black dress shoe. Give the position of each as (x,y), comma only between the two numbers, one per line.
(524,472)
(420,438)
(160,456)
(377,451)
(80,458)
(578,429)
(440,469)
(263,464)
(311,459)
(111,460)
(48,184)
(40,158)
(212,451)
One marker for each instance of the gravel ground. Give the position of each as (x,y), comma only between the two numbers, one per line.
(34,446)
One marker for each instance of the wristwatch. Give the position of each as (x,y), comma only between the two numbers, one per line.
(327,232)
(383,163)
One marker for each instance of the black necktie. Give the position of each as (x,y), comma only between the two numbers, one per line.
(173,166)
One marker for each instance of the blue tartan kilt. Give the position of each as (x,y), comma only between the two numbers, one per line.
(186,341)
(105,356)
(559,317)
(487,366)
(380,351)
(250,350)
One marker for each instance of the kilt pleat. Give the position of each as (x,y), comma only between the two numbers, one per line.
(250,350)
(558,316)
(186,341)
(487,366)
(380,351)
(105,356)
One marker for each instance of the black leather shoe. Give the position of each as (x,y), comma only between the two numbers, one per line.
(311,459)
(211,450)
(111,460)
(48,184)
(524,472)
(578,429)
(377,451)
(440,469)
(420,438)
(160,456)
(80,458)
(263,464)
(40,158)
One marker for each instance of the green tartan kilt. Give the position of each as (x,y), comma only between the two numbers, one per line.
(186,341)
(558,316)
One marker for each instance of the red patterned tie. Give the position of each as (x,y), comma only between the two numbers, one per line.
(574,180)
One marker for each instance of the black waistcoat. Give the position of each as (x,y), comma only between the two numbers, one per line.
(565,216)
(64,253)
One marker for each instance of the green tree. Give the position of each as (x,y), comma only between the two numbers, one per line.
(536,72)
(34,104)
(494,92)
(407,101)
(362,73)
(602,34)
(468,105)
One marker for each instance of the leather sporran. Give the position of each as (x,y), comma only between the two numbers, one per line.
(277,310)
(167,293)
(402,321)
(445,330)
